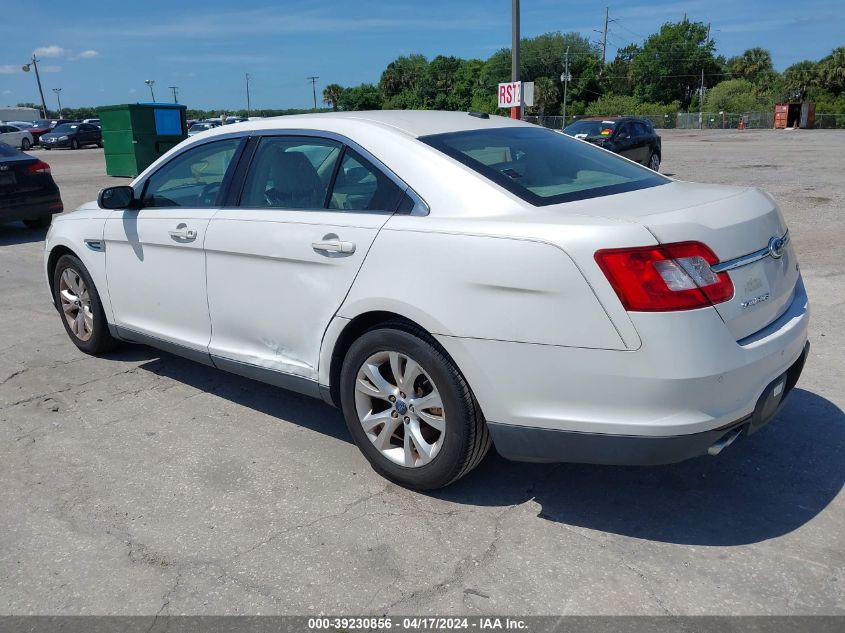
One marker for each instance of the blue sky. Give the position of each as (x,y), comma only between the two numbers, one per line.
(99,57)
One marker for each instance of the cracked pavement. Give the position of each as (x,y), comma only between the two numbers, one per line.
(140,483)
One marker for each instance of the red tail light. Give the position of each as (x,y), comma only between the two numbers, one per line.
(39,168)
(666,277)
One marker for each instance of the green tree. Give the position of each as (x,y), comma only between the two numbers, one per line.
(363,97)
(669,66)
(735,95)
(406,76)
(797,79)
(755,65)
(616,76)
(831,71)
(546,96)
(332,94)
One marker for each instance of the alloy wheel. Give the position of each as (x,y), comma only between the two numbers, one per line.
(654,163)
(76,304)
(400,409)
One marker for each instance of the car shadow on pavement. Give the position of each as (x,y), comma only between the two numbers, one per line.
(763,486)
(17,233)
(303,411)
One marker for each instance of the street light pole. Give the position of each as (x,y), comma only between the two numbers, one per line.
(25,68)
(313,81)
(58,92)
(175,89)
(150,83)
(516,111)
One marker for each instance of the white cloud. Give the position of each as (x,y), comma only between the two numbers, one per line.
(50,69)
(7,92)
(89,54)
(54,50)
(9,69)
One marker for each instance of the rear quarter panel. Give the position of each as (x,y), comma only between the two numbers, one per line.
(480,286)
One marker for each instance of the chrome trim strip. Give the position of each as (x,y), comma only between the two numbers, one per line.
(745,260)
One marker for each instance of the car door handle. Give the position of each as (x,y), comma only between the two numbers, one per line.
(333,246)
(183,233)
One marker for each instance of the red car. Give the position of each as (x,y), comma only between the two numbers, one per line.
(42,126)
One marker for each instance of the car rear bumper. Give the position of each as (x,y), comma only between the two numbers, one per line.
(31,210)
(684,389)
(521,443)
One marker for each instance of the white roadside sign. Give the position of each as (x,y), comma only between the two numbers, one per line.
(516,93)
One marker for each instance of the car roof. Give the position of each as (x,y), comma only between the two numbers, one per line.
(414,123)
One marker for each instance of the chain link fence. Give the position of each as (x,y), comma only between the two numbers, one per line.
(704,120)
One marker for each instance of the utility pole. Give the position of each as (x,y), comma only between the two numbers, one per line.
(25,68)
(708,33)
(604,38)
(313,81)
(701,102)
(565,77)
(175,89)
(58,92)
(150,83)
(247,95)
(516,111)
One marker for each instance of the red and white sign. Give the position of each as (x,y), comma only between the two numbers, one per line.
(516,93)
(510,94)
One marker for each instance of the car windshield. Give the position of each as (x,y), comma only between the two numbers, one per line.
(543,167)
(44,123)
(591,128)
(65,127)
(200,126)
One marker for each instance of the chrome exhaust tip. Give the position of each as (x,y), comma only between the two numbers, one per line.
(726,440)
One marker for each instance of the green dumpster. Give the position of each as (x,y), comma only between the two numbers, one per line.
(136,134)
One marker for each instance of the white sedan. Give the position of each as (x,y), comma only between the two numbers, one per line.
(15,136)
(450,280)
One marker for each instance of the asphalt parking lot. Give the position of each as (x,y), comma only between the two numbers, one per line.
(141,483)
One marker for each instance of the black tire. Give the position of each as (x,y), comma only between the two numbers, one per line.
(467,438)
(47,148)
(100,143)
(74,143)
(38,223)
(25,145)
(654,161)
(101,340)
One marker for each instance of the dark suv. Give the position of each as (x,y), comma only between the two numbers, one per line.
(630,137)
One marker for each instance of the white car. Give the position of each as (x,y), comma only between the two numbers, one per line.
(448,280)
(15,136)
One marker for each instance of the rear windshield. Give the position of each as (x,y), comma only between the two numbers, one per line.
(65,127)
(544,167)
(591,128)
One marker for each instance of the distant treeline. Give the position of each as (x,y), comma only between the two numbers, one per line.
(667,72)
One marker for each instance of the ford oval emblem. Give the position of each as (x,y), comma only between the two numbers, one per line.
(776,247)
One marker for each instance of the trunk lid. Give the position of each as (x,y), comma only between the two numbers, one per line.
(733,222)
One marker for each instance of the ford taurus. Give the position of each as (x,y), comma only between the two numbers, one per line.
(450,281)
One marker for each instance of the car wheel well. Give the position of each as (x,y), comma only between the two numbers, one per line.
(55,254)
(353,330)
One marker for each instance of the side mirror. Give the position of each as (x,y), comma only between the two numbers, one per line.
(121,197)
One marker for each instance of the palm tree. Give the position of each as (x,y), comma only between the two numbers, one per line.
(831,71)
(755,64)
(332,94)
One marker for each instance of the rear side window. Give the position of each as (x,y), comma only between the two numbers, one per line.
(361,187)
(543,167)
(290,172)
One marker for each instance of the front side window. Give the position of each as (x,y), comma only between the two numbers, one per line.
(361,187)
(290,172)
(192,179)
(541,166)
